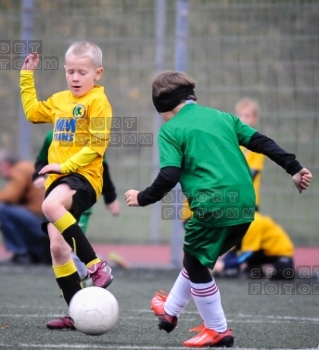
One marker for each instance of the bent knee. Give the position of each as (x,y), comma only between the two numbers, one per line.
(49,208)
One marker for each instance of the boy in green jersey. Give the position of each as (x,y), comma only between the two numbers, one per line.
(199,147)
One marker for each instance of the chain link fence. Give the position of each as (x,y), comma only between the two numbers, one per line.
(266,50)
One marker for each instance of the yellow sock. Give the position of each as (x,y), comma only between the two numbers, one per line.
(64,222)
(93,262)
(65,269)
(68,280)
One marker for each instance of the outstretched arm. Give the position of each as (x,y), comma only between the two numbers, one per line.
(167,179)
(262,144)
(35,111)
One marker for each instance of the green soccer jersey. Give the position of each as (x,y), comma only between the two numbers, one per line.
(215,177)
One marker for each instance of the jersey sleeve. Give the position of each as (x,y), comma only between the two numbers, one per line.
(169,150)
(79,160)
(244,131)
(35,111)
(100,115)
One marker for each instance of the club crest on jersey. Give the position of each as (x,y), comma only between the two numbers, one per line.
(79,111)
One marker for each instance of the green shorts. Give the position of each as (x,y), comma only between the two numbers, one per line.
(208,243)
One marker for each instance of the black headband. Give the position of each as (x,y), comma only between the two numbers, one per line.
(167,101)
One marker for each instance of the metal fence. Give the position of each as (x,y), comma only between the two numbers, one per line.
(267,50)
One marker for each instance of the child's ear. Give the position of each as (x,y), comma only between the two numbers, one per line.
(99,73)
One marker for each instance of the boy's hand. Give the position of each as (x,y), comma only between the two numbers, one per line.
(131,198)
(31,62)
(114,208)
(51,169)
(302,179)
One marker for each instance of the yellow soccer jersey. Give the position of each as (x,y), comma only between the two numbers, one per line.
(265,234)
(255,162)
(77,122)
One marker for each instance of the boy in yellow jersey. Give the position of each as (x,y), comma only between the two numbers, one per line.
(108,191)
(265,241)
(81,118)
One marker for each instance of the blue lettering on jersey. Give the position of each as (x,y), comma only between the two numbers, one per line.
(63,137)
(64,130)
(65,124)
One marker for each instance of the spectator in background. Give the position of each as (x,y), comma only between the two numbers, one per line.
(21,213)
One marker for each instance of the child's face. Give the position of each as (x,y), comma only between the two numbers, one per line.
(81,74)
(247,115)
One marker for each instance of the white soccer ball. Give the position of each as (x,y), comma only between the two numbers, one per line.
(94,310)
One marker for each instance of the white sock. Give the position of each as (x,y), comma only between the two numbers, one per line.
(80,266)
(207,299)
(179,296)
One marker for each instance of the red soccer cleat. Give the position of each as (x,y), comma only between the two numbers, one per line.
(210,338)
(166,322)
(101,274)
(63,323)
(198,328)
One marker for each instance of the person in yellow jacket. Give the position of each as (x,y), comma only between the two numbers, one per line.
(265,242)
(81,118)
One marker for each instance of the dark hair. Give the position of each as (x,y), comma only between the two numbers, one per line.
(170,89)
(170,81)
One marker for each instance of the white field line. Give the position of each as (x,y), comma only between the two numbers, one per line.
(134,318)
(231,317)
(240,316)
(148,311)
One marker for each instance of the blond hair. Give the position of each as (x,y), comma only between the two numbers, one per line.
(86,49)
(170,81)
(248,102)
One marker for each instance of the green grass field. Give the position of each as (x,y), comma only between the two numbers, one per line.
(30,297)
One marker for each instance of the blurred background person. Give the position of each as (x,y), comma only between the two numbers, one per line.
(21,213)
